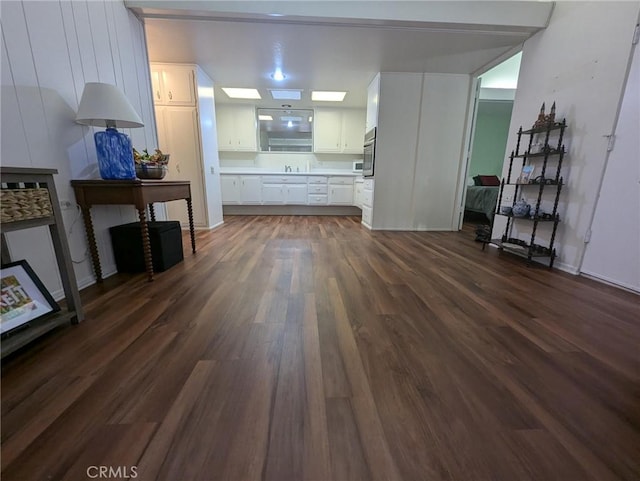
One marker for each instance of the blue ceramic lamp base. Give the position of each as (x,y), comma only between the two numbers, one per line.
(115,155)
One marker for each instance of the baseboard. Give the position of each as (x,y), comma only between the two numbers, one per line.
(611,282)
(82,284)
(290,210)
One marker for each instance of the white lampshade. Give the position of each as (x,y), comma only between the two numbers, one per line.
(104,105)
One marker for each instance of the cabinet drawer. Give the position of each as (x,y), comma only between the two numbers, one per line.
(368,184)
(317,199)
(317,180)
(318,189)
(366,215)
(367,198)
(284,179)
(341,180)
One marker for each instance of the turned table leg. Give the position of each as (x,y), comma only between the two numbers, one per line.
(152,212)
(91,238)
(146,244)
(191,229)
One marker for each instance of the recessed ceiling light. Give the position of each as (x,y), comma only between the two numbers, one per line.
(326,96)
(278,75)
(236,93)
(265,117)
(290,94)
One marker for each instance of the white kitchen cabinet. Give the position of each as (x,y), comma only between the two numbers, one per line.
(273,194)
(340,191)
(236,128)
(179,136)
(358,191)
(373,97)
(327,133)
(173,84)
(296,194)
(339,131)
(230,185)
(367,202)
(186,131)
(317,199)
(353,127)
(251,189)
(291,190)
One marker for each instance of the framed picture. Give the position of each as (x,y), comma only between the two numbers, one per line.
(24,297)
(527,174)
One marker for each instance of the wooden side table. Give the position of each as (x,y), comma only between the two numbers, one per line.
(18,178)
(139,193)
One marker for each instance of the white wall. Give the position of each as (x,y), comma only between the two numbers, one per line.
(419,144)
(49,51)
(580,62)
(613,254)
(209,141)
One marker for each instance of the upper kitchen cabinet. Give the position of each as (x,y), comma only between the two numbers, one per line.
(173,84)
(339,131)
(236,128)
(373,97)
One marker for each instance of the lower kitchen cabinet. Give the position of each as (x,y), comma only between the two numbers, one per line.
(291,194)
(230,186)
(250,189)
(273,194)
(358,193)
(296,194)
(340,191)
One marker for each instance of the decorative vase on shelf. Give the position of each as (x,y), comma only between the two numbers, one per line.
(521,208)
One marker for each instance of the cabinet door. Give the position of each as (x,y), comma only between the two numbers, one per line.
(182,129)
(273,193)
(156,85)
(236,128)
(230,187)
(327,131)
(373,93)
(178,83)
(353,131)
(251,189)
(245,127)
(297,194)
(358,194)
(225,126)
(340,194)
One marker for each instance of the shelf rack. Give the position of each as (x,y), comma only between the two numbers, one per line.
(547,154)
(14,178)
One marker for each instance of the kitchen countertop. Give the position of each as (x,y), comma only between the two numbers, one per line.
(325,173)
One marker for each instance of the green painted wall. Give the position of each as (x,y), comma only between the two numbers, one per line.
(490,139)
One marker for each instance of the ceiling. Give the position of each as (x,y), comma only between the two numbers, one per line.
(242,48)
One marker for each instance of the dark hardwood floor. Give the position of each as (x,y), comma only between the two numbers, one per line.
(309,348)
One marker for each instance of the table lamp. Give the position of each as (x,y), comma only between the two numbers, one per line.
(104,105)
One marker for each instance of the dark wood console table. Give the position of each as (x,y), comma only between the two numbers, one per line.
(139,193)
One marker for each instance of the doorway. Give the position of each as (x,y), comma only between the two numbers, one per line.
(488,142)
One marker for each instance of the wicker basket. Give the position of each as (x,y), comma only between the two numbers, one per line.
(24,204)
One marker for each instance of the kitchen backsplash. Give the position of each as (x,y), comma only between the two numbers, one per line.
(301,162)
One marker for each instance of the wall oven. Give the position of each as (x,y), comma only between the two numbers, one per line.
(369,153)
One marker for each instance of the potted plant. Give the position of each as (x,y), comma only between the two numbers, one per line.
(151,166)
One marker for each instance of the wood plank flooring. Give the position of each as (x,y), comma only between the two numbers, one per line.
(309,348)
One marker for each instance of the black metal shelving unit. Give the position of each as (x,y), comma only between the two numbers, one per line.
(550,159)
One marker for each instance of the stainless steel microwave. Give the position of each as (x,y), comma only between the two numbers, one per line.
(369,153)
